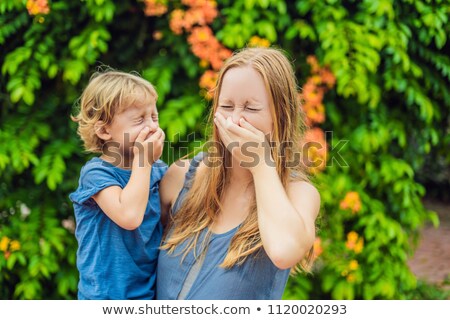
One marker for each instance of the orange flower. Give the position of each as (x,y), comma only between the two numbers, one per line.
(353,265)
(7,246)
(354,242)
(209,11)
(327,77)
(155,7)
(311,97)
(256,41)
(15,245)
(195,21)
(317,248)
(315,113)
(176,23)
(204,63)
(200,34)
(36,7)
(208,80)
(351,201)
(312,61)
(314,90)
(193,17)
(359,246)
(316,79)
(352,237)
(205,46)
(4,243)
(351,278)
(157,35)
(315,147)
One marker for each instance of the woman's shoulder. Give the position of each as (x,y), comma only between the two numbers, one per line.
(175,174)
(182,166)
(175,177)
(303,187)
(302,184)
(304,193)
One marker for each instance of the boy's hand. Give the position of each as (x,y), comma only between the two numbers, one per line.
(148,148)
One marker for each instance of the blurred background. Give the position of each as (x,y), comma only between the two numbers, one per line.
(374,81)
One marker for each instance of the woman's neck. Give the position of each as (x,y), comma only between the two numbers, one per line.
(239,175)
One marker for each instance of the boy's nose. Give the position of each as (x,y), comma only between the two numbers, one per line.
(153,125)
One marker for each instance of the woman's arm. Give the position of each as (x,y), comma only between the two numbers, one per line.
(170,186)
(286,219)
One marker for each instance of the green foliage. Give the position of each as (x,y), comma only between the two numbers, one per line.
(391,103)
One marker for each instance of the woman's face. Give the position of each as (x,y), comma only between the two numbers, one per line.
(243,95)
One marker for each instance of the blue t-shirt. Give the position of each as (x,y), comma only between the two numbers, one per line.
(115,263)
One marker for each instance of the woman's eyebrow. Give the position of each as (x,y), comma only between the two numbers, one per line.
(253,99)
(225,101)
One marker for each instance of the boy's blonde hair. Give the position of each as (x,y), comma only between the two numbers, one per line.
(107,94)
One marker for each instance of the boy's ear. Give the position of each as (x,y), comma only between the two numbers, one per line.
(102,131)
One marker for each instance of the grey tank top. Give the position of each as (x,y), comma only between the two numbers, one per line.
(255,279)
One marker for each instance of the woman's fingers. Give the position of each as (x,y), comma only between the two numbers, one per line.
(247,125)
(222,131)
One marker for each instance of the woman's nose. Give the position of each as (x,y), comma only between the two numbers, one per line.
(236,115)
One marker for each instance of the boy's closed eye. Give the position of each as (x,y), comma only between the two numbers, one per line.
(139,120)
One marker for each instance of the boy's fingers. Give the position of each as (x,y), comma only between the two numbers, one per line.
(144,132)
(163,136)
(157,135)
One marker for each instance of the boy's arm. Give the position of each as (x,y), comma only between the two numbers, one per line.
(126,207)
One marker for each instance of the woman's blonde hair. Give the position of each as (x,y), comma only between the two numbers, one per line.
(108,93)
(203,201)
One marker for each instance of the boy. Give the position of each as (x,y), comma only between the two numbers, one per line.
(116,204)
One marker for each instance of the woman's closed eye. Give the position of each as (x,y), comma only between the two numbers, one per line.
(227,107)
(251,109)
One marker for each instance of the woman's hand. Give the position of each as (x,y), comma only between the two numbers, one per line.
(247,144)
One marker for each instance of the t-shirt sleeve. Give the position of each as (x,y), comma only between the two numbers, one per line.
(158,171)
(92,181)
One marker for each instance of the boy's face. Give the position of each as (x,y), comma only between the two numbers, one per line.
(127,124)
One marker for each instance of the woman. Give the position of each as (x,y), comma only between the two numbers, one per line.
(241,216)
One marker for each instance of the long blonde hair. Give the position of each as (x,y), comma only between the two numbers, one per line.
(203,201)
